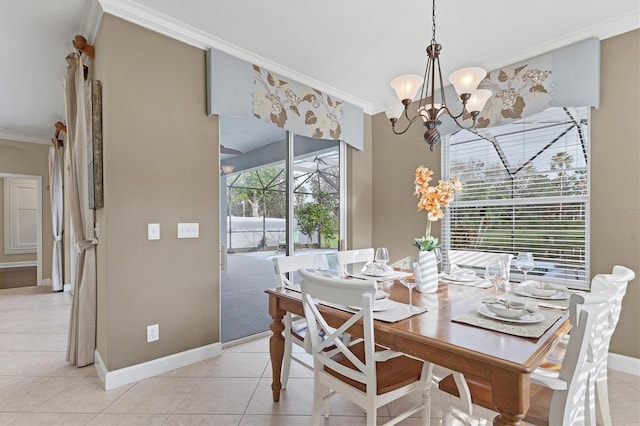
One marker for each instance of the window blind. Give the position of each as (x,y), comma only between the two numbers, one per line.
(525,189)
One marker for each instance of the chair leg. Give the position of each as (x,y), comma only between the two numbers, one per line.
(372,414)
(288,347)
(602,399)
(426,409)
(318,396)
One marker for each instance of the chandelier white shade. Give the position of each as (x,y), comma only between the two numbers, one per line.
(466,80)
(407,86)
(478,99)
(432,105)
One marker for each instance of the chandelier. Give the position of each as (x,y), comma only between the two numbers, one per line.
(465,82)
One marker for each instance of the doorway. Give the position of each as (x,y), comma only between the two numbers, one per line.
(12,261)
(280,194)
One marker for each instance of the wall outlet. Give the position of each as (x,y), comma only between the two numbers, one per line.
(153,333)
(188,230)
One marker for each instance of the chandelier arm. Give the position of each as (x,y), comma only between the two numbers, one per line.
(442,97)
(424,92)
(406,115)
(393,126)
(455,118)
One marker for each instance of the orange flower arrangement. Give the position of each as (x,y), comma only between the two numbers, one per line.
(433,199)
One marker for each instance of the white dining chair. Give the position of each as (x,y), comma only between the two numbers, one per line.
(598,383)
(294,325)
(563,398)
(365,373)
(620,278)
(345,258)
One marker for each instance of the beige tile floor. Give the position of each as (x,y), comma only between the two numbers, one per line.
(37,387)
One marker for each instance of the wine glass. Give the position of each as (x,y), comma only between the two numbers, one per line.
(321,264)
(525,263)
(410,279)
(382,257)
(496,272)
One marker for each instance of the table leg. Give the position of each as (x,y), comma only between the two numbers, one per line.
(510,393)
(276,347)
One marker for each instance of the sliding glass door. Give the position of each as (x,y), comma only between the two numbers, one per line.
(279,195)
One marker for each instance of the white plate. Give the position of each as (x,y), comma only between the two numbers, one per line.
(560,295)
(525,319)
(378,305)
(461,278)
(381,294)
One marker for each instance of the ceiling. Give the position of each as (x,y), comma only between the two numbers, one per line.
(348,48)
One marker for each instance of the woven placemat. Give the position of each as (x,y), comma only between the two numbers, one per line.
(523,330)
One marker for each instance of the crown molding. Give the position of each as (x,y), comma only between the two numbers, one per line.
(602,30)
(91,21)
(16,138)
(178,30)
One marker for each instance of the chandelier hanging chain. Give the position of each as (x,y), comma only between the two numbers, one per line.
(433,22)
(465,83)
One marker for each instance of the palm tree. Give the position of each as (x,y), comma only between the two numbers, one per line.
(561,161)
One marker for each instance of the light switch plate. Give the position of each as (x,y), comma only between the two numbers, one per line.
(188,230)
(153,231)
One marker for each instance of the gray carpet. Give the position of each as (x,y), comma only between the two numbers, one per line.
(245,305)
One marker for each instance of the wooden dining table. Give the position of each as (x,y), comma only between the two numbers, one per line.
(504,360)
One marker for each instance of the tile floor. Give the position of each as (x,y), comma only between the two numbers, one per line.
(37,387)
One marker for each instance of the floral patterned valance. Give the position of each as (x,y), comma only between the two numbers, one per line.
(518,91)
(295,107)
(566,77)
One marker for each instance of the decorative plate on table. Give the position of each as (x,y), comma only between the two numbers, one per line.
(559,295)
(466,277)
(524,319)
(378,305)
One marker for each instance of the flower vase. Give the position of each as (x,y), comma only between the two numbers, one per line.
(428,262)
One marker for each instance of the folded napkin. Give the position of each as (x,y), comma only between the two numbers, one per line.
(561,304)
(374,269)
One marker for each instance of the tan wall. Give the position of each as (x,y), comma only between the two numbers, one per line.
(359,192)
(396,220)
(615,178)
(28,159)
(160,166)
(615,181)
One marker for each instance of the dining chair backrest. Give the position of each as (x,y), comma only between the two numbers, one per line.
(572,401)
(607,321)
(478,259)
(365,373)
(285,266)
(295,332)
(342,292)
(349,257)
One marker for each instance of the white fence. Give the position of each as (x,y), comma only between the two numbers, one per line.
(256,232)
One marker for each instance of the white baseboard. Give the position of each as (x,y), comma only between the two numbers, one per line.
(18,264)
(123,376)
(46,281)
(66,287)
(623,363)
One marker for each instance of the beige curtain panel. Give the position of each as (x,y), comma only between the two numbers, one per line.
(82,326)
(55,195)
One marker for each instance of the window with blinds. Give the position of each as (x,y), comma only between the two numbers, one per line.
(526,189)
